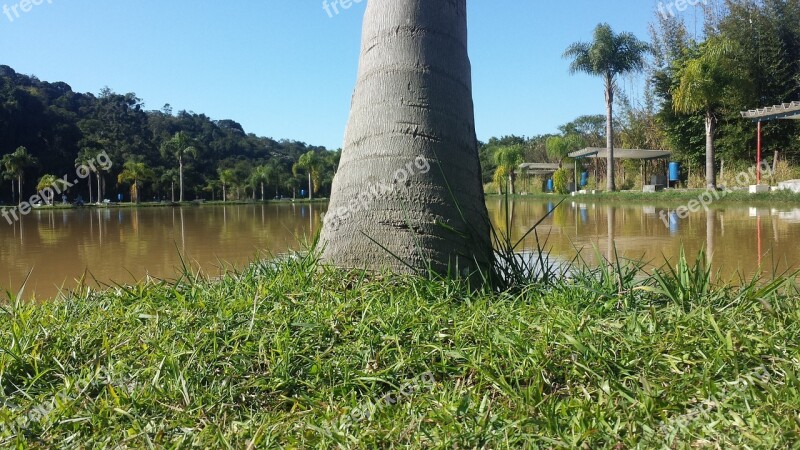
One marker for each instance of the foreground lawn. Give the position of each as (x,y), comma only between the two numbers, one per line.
(296,357)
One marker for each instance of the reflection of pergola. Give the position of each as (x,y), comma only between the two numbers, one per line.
(786,111)
(622,153)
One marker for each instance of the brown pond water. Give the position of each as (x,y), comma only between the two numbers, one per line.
(126,245)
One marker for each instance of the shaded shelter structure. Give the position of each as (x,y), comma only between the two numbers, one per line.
(785,111)
(537,169)
(636,154)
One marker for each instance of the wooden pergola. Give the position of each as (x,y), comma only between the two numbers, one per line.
(538,168)
(785,111)
(622,153)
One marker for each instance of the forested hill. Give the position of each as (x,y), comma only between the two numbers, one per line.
(58,127)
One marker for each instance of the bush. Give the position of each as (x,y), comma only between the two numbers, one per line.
(561,181)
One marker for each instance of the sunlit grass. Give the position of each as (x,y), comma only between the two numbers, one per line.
(282,355)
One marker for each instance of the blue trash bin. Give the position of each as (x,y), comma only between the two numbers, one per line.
(674,172)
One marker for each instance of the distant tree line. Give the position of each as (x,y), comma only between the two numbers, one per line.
(47,129)
(746,56)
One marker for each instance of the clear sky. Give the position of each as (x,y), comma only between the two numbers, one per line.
(286,68)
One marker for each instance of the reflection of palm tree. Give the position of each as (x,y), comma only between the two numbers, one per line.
(611,223)
(711,222)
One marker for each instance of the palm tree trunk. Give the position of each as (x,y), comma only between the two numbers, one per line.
(262,191)
(99,191)
(610,184)
(224,194)
(511,183)
(310,188)
(412,103)
(711,171)
(19,190)
(180,178)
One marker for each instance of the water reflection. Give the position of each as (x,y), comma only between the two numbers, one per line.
(737,240)
(125,245)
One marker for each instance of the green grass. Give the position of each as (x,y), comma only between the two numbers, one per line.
(292,355)
(677,197)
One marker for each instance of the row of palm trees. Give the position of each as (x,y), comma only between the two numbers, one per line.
(14,165)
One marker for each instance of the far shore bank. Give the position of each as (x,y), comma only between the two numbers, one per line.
(666,197)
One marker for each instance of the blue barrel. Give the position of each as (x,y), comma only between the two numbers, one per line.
(674,171)
(584,179)
(549,185)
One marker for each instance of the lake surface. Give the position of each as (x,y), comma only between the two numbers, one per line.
(57,248)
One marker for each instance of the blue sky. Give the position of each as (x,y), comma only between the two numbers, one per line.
(286,69)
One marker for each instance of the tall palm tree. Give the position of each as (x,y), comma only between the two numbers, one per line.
(15,164)
(85,157)
(607,56)
(179,147)
(559,148)
(134,172)
(169,177)
(227,177)
(45,182)
(259,176)
(276,174)
(412,100)
(9,177)
(704,86)
(312,163)
(508,160)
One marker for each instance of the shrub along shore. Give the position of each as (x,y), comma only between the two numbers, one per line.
(673,196)
(290,354)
